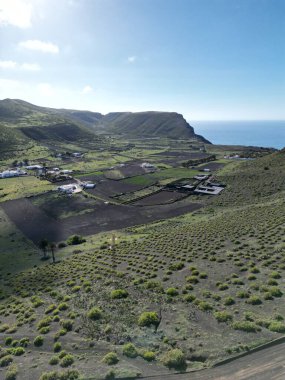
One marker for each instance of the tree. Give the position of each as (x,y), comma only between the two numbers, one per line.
(43,243)
(52,247)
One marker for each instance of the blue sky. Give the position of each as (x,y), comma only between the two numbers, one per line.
(207,59)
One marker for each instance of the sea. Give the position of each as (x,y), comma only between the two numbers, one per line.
(250,133)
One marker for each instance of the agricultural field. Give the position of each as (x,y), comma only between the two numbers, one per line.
(146,281)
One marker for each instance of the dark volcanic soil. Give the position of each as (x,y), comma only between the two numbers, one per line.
(36,224)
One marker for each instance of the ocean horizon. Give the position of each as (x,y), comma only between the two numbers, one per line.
(264,133)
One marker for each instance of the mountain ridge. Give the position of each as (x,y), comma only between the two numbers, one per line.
(21,114)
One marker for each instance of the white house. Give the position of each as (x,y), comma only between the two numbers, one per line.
(147,165)
(12,173)
(34,167)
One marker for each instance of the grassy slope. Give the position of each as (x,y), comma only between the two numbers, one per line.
(232,259)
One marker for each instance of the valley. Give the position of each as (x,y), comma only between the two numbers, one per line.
(172,262)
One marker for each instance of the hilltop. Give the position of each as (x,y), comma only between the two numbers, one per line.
(47,126)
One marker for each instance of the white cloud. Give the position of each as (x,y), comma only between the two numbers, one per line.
(45,89)
(132,59)
(12,65)
(15,12)
(87,90)
(37,45)
(30,66)
(8,64)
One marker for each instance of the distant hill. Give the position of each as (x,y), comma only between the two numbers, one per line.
(63,126)
(148,124)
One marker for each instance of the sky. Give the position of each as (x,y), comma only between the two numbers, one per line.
(206,59)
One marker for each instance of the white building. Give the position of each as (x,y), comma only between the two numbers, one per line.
(12,173)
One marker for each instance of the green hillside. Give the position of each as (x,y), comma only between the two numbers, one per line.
(148,124)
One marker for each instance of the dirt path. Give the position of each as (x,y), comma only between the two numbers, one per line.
(268,364)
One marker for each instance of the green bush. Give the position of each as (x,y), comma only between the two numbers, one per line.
(63,375)
(54,360)
(119,293)
(229,301)
(275,291)
(205,306)
(44,322)
(6,360)
(172,292)
(254,300)
(223,316)
(95,313)
(75,240)
(8,340)
(12,372)
(18,351)
(57,347)
(189,298)
(245,326)
(148,318)
(67,324)
(174,359)
(148,355)
(66,361)
(111,358)
(62,306)
(130,350)
(176,266)
(277,327)
(38,341)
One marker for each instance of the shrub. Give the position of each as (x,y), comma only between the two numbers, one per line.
(44,330)
(223,316)
(174,359)
(119,293)
(275,275)
(229,301)
(205,306)
(67,360)
(6,360)
(223,286)
(57,347)
(18,351)
(44,322)
(75,239)
(61,244)
(176,266)
(245,326)
(50,308)
(54,360)
(242,294)
(148,318)
(95,313)
(254,300)
(67,324)
(63,375)
(277,327)
(111,358)
(62,306)
(12,372)
(24,342)
(192,279)
(38,341)
(148,355)
(8,340)
(130,350)
(189,298)
(172,292)
(275,291)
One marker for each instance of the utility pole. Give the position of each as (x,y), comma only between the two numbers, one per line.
(112,248)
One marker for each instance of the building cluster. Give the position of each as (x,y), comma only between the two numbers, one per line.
(12,173)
